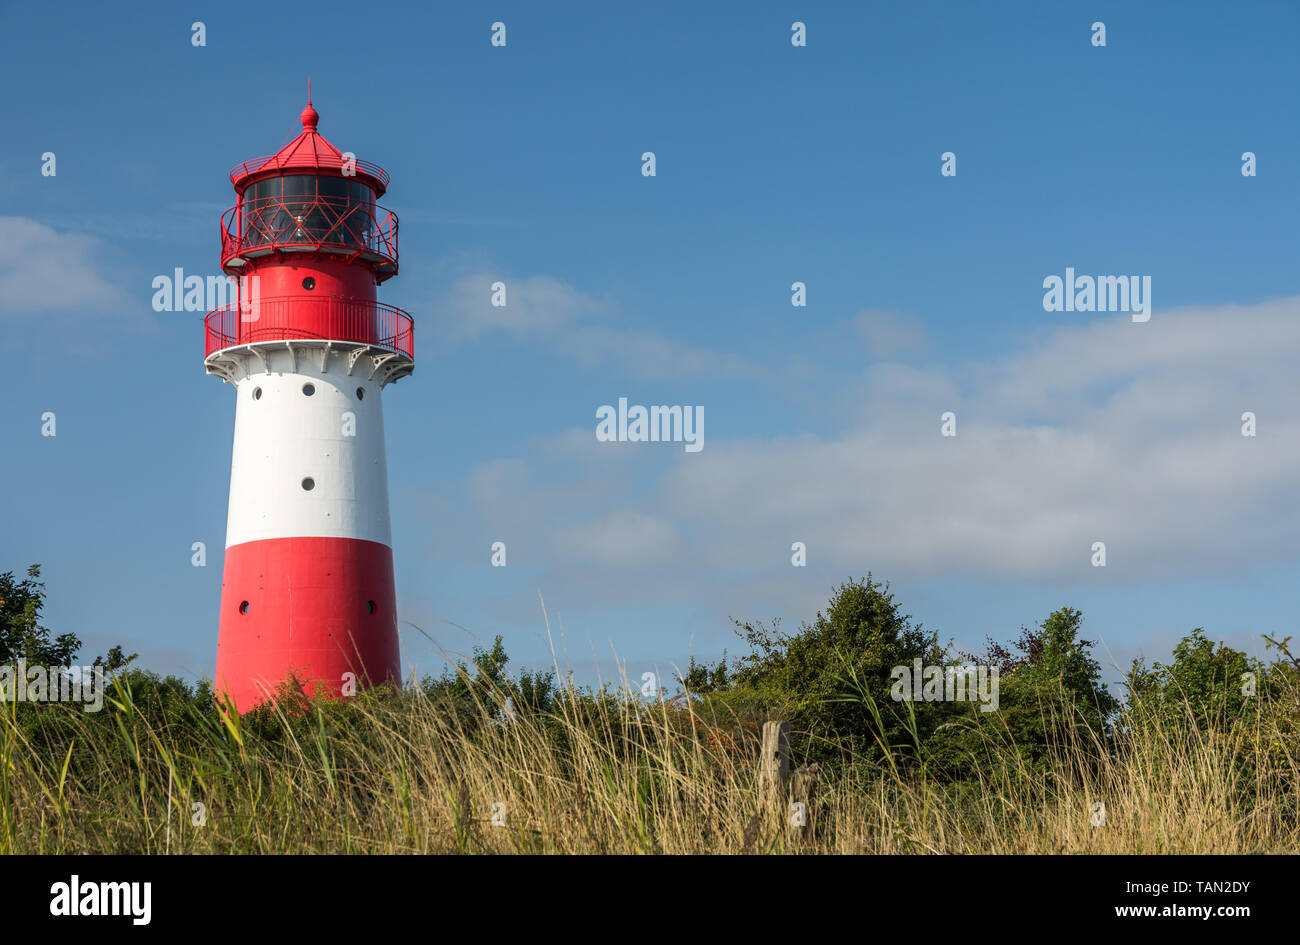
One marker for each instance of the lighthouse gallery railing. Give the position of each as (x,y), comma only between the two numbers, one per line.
(333,318)
(322,224)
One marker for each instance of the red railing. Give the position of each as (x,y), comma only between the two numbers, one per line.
(240,171)
(288,319)
(313,224)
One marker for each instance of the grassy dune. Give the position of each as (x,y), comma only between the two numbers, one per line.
(412,772)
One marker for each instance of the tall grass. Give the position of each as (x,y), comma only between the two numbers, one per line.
(415,772)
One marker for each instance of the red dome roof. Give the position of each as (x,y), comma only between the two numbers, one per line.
(307,152)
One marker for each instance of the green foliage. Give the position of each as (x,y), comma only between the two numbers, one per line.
(1216,693)
(861,636)
(115,660)
(483,681)
(834,680)
(1204,687)
(21,634)
(23,637)
(1065,659)
(186,714)
(1049,683)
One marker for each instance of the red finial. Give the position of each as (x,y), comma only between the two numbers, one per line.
(310,117)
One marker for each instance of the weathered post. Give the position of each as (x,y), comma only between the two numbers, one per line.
(773,762)
(803,804)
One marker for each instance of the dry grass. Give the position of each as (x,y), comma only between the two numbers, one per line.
(409,775)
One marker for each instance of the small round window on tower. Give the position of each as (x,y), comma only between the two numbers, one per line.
(309,389)
(370,607)
(309,283)
(257,393)
(243,607)
(309,484)
(361,393)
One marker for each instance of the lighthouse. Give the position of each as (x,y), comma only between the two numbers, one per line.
(307,591)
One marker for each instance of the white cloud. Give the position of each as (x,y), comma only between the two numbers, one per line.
(42,270)
(888,333)
(537,307)
(1119,432)
(590,330)
(623,538)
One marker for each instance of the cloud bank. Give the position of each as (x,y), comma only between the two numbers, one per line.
(1129,434)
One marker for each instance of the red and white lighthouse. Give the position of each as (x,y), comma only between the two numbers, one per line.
(308,583)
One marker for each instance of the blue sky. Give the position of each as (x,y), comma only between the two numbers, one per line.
(774,164)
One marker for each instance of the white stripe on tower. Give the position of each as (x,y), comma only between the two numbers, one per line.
(332,437)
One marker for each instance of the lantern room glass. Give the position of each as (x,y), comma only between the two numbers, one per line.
(308,208)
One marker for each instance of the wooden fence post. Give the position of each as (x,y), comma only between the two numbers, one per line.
(773,762)
(802,815)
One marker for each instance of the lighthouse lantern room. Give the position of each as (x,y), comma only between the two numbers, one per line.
(307,590)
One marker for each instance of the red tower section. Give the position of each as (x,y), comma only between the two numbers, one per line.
(308,583)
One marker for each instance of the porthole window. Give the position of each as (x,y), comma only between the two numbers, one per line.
(361,393)
(308,484)
(309,389)
(309,283)
(243,607)
(257,393)
(370,607)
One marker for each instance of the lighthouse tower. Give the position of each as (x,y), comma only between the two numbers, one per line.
(308,583)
